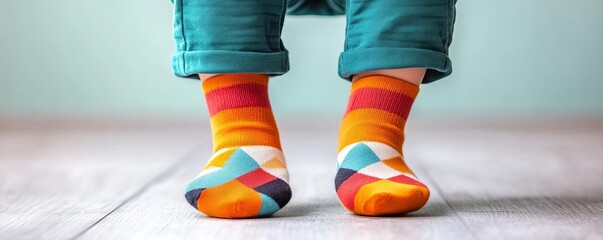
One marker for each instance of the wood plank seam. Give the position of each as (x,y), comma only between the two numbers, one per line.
(437,188)
(161,176)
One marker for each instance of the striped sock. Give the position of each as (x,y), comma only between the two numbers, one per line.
(247,175)
(372,178)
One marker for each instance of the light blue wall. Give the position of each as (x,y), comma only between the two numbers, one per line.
(110,57)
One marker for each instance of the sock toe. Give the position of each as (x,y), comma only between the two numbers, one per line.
(385,197)
(244,182)
(230,200)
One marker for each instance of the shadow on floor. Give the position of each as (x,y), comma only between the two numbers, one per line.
(587,205)
(569,204)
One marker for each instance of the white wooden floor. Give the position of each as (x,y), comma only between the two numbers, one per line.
(124,180)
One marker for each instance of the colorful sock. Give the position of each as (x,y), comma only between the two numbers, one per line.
(372,178)
(247,175)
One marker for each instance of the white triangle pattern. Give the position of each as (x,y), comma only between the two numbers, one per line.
(263,154)
(378,169)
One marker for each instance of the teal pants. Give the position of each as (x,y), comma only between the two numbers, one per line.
(234,36)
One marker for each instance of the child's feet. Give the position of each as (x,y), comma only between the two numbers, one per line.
(241,182)
(247,175)
(372,178)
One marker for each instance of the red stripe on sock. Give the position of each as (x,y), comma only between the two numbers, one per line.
(256,178)
(237,96)
(381,99)
(348,189)
(406,180)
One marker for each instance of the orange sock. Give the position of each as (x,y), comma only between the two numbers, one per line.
(372,178)
(247,174)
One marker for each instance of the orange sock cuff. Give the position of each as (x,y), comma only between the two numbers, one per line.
(377,111)
(240,111)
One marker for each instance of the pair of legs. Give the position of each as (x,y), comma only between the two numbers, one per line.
(234,46)
(411,75)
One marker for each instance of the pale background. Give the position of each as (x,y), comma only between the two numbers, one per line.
(97,138)
(111,58)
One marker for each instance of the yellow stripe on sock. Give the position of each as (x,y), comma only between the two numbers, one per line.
(226,80)
(244,127)
(387,83)
(372,125)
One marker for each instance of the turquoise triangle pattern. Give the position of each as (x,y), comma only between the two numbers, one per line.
(237,164)
(359,157)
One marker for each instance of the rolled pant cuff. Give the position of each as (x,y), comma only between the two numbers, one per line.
(189,64)
(356,61)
